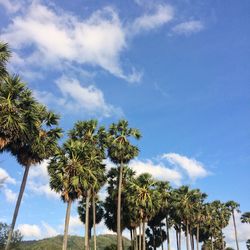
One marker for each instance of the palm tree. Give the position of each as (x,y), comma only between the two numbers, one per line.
(32,148)
(245,218)
(145,198)
(121,151)
(95,142)
(69,176)
(4,57)
(234,206)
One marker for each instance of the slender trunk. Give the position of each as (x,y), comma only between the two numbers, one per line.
(167,230)
(136,240)
(143,236)
(212,244)
(94,220)
(235,231)
(19,199)
(119,236)
(140,236)
(154,238)
(192,238)
(180,238)
(187,236)
(66,227)
(197,236)
(86,240)
(177,239)
(161,239)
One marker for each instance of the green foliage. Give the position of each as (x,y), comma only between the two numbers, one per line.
(16,239)
(74,243)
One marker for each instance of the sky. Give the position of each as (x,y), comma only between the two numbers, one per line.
(178,71)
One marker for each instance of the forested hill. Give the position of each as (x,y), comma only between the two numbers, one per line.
(104,242)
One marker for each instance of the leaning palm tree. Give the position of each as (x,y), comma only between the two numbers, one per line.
(245,218)
(234,206)
(121,151)
(4,57)
(32,146)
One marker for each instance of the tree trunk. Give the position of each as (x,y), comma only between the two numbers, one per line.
(140,236)
(187,236)
(86,240)
(167,229)
(180,238)
(161,239)
(19,199)
(143,236)
(94,220)
(235,231)
(66,226)
(177,239)
(119,236)
(197,236)
(154,238)
(136,240)
(212,244)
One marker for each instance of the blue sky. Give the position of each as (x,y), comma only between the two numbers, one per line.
(177,70)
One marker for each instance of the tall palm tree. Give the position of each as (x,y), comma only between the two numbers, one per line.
(4,57)
(69,176)
(245,218)
(94,139)
(145,198)
(121,151)
(234,206)
(32,146)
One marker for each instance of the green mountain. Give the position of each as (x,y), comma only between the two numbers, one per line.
(74,243)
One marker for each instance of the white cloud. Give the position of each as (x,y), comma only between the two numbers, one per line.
(57,36)
(34,231)
(9,195)
(162,15)
(193,168)
(243,230)
(5,177)
(38,181)
(28,230)
(76,97)
(188,27)
(158,171)
(11,6)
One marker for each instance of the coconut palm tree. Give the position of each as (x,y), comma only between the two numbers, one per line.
(4,57)
(69,176)
(121,151)
(245,218)
(234,206)
(39,144)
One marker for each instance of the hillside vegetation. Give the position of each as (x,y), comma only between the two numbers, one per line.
(74,243)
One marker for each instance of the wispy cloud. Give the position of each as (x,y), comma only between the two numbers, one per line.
(55,37)
(161,15)
(188,27)
(192,167)
(5,177)
(78,98)
(38,182)
(11,6)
